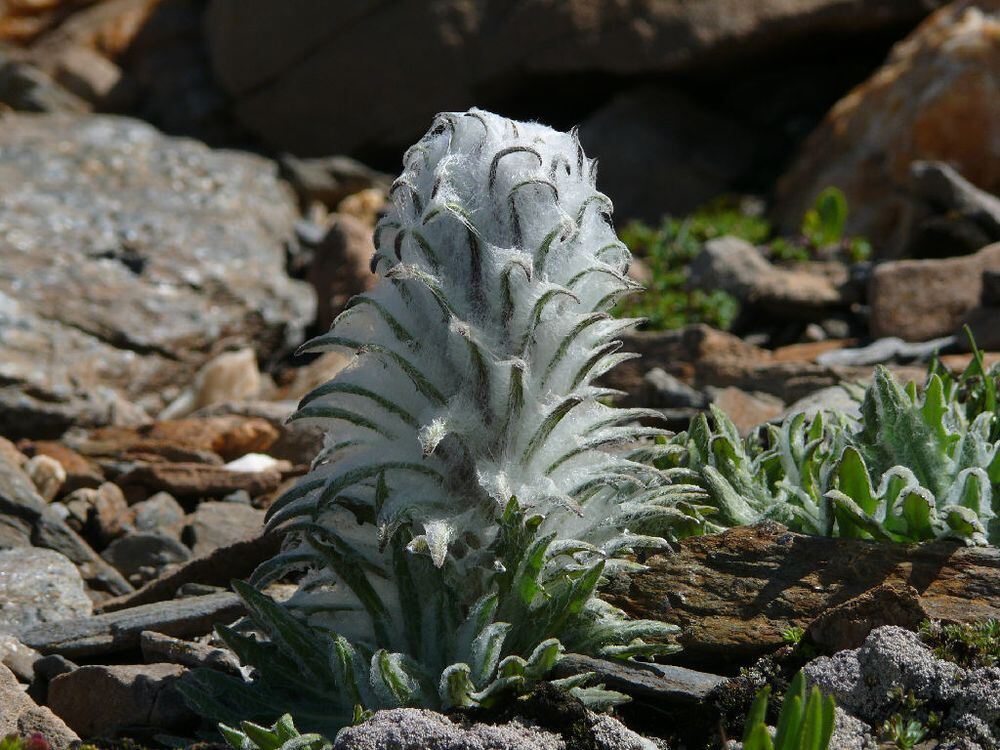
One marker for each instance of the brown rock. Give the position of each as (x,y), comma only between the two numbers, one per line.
(102,513)
(226,436)
(22,717)
(98,701)
(848,624)
(748,410)
(365,206)
(918,300)
(935,98)
(340,268)
(734,594)
(79,471)
(198,480)
(46,474)
(231,376)
(272,60)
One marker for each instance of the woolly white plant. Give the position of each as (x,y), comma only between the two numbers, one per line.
(473,488)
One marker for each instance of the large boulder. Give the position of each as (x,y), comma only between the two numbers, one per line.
(21,716)
(39,585)
(935,98)
(128,257)
(308,76)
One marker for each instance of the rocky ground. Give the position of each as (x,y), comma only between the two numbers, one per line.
(154,289)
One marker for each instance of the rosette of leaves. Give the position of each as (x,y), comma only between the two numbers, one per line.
(918,464)
(473,490)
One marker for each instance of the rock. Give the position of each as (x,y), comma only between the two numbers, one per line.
(885,350)
(735,593)
(25,88)
(297,382)
(159,514)
(340,267)
(664,390)
(114,632)
(157,648)
(187,480)
(38,586)
(232,376)
(330,179)
(100,701)
(102,514)
(87,74)
(982,323)
(918,300)
(25,521)
(862,682)
(735,266)
(418,729)
(80,472)
(747,410)
(934,98)
(219,568)
(18,658)
(488,52)
(89,294)
(23,717)
(950,215)
(47,475)
(47,668)
(143,556)
(366,206)
(298,441)
(660,152)
(847,625)
(661,684)
(229,436)
(215,524)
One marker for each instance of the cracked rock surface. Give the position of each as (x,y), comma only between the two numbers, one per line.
(126,259)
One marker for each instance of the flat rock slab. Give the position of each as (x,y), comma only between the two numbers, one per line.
(733,594)
(662,684)
(121,631)
(127,256)
(38,586)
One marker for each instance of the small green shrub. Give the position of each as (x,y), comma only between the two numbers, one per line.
(805,723)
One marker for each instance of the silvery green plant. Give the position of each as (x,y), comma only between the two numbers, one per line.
(473,490)
(918,464)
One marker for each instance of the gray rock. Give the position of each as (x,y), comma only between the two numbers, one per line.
(39,586)
(17,657)
(890,349)
(659,683)
(894,658)
(142,556)
(664,390)
(161,514)
(26,516)
(330,179)
(114,632)
(218,524)
(157,647)
(99,701)
(949,216)
(21,716)
(416,729)
(105,231)
(737,267)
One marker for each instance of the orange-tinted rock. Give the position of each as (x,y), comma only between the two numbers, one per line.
(199,480)
(79,471)
(340,268)
(937,98)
